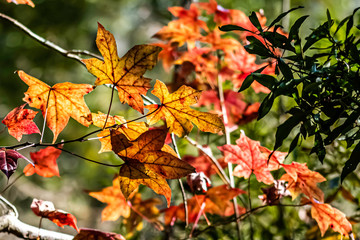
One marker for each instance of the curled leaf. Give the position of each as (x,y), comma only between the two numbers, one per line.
(8,161)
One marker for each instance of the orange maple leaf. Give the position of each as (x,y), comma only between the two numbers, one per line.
(20,121)
(175,110)
(45,163)
(59,102)
(28,2)
(125,73)
(47,210)
(131,130)
(116,202)
(327,216)
(146,163)
(189,16)
(302,180)
(250,159)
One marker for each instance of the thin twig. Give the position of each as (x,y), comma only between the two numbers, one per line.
(13,208)
(86,53)
(228,141)
(207,151)
(42,40)
(45,117)
(111,100)
(89,160)
(12,183)
(180,183)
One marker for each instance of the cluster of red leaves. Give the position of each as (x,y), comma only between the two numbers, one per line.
(211,55)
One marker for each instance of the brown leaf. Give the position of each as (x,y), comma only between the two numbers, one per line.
(93,234)
(146,163)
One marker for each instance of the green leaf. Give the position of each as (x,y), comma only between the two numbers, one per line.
(294,30)
(265,80)
(257,47)
(294,143)
(284,130)
(255,21)
(317,34)
(285,69)
(281,16)
(266,105)
(230,27)
(319,147)
(250,79)
(352,163)
(350,23)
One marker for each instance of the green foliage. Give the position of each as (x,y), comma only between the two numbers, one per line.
(321,75)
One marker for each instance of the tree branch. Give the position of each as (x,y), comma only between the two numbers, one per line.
(9,223)
(72,54)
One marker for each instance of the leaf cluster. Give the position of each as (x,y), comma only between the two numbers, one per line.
(320,73)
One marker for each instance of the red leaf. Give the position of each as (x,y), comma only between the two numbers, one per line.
(250,159)
(47,210)
(20,121)
(8,161)
(45,163)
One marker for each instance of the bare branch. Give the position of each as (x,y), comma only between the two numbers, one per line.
(72,54)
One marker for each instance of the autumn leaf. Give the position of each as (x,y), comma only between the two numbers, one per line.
(117,205)
(327,216)
(302,180)
(45,163)
(58,103)
(249,159)
(125,73)
(179,116)
(131,130)
(146,163)
(20,121)
(203,163)
(8,161)
(47,210)
(87,233)
(28,2)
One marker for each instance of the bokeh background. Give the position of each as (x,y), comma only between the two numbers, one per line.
(72,24)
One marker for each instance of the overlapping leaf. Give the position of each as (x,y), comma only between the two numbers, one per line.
(146,163)
(326,216)
(179,116)
(20,121)
(59,102)
(302,180)
(47,210)
(125,73)
(8,161)
(250,159)
(45,163)
(131,130)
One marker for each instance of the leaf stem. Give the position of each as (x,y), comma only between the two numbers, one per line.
(180,182)
(46,111)
(111,100)
(12,183)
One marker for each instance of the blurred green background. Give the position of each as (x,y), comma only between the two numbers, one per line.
(72,24)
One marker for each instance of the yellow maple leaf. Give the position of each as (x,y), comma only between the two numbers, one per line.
(178,115)
(125,73)
(59,102)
